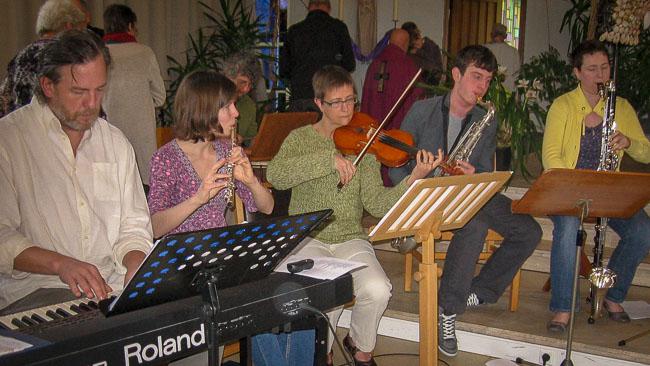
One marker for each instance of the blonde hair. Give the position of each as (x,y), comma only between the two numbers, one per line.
(54,15)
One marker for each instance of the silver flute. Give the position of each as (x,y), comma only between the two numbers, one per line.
(230,170)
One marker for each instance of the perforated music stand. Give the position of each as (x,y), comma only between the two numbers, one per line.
(183,265)
(584,193)
(428,207)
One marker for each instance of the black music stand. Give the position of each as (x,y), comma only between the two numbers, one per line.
(584,193)
(182,265)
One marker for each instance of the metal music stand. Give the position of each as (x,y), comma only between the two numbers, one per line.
(182,265)
(428,207)
(584,193)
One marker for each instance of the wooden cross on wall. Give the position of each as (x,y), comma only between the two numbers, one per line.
(382,76)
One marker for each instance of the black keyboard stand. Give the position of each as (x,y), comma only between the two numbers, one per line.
(208,280)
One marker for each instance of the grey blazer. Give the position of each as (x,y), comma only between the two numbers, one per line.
(427,121)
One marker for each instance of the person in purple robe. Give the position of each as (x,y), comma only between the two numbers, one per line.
(386,79)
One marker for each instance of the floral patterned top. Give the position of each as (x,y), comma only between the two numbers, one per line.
(17,88)
(173,180)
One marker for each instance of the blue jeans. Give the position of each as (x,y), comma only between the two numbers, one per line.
(632,248)
(284,349)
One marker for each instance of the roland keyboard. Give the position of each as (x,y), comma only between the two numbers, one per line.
(79,334)
(33,317)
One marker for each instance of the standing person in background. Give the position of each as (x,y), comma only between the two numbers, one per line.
(317,41)
(572,140)
(243,69)
(83,5)
(507,56)
(425,53)
(386,79)
(135,86)
(17,88)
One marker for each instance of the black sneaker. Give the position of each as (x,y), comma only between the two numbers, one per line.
(473,300)
(404,244)
(447,342)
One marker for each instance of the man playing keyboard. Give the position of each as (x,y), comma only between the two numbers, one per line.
(73,216)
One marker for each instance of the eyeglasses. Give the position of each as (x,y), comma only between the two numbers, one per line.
(338,104)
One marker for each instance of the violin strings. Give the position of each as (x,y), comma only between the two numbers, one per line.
(396,143)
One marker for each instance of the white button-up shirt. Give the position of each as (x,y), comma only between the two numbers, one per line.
(90,206)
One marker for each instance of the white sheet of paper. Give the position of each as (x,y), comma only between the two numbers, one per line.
(325,268)
(10,345)
(500,362)
(636,309)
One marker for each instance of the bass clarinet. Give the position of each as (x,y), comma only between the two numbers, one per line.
(602,278)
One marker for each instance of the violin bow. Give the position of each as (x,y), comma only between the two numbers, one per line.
(388,116)
(372,138)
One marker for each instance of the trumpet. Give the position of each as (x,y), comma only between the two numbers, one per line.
(230,170)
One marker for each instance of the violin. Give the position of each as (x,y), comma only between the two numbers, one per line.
(371,136)
(392,148)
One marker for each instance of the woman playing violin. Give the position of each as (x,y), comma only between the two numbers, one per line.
(310,165)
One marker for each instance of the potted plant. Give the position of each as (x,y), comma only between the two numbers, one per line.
(522,113)
(231,29)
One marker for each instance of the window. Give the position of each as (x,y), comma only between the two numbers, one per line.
(511,17)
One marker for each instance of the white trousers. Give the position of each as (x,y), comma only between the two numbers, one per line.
(371,288)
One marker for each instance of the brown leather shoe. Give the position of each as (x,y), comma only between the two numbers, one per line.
(555,327)
(347,343)
(619,316)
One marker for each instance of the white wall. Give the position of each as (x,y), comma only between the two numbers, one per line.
(543,20)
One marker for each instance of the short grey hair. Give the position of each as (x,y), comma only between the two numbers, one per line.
(242,63)
(55,14)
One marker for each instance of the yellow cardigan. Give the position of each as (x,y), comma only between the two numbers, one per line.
(565,126)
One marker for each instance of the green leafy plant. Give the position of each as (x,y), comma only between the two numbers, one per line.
(633,61)
(634,66)
(576,20)
(555,77)
(522,112)
(516,129)
(232,28)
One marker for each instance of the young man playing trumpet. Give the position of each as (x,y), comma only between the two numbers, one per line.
(439,123)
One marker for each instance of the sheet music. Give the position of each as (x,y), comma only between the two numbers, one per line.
(10,345)
(325,268)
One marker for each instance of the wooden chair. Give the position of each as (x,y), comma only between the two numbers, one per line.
(491,243)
